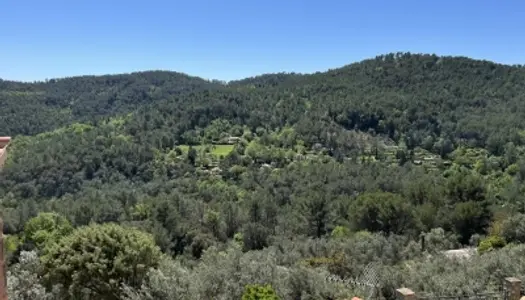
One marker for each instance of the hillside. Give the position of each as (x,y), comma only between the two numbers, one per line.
(58,102)
(321,173)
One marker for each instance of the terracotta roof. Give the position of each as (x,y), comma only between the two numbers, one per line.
(4,141)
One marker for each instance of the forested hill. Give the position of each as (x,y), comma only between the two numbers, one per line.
(30,108)
(315,173)
(415,96)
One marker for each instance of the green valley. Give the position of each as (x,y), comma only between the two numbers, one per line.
(266,185)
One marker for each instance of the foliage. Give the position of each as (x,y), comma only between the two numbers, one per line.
(443,276)
(340,232)
(490,243)
(23,280)
(287,176)
(45,229)
(468,218)
(513,229)
(384,212)
(98,259)
(439,240)
(170,281)
(11,243)
(259,292)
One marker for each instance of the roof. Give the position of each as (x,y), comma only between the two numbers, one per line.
(4,141)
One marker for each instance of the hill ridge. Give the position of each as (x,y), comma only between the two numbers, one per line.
(452,57)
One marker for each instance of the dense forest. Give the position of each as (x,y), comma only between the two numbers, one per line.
(159,185)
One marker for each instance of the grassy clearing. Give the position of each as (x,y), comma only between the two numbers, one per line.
(222,150)
(216,150)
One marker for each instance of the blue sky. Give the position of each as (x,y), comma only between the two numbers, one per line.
(232,39)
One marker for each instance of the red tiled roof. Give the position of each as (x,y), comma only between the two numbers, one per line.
(4,141)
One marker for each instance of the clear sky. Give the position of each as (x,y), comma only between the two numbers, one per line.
(232,39)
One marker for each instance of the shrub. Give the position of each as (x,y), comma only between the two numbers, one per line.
(259,292)
(46,228)
(99,259)
(490,243)
(340,232)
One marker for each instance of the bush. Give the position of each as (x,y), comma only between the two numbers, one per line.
(340,232)
(259,292)
(99,259)
(490,243)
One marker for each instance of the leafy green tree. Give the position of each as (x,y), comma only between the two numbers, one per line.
(466,186)
(255,236)
(381,211)
(46,228)
(402,156)
(192,155)
(469,218)
(443,147)
(98,259)
(513,229)
(496,144)
(511,153)
(318,212)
